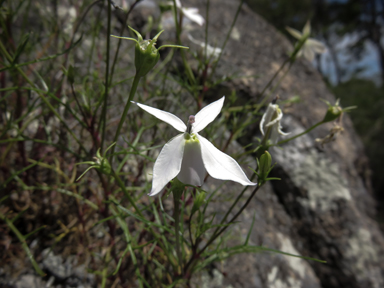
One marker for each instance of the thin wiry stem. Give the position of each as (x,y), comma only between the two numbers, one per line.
(227,38)
(104,112)
(298,135)
(176,216)
(126,109)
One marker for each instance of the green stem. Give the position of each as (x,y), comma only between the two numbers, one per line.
(176,216)
(179,23)
(206,31)
(23,243)
(298,135)
(120,39)
(122,186)
(104,112)
(227,37)
(217,232)
(273,77)
(126,109)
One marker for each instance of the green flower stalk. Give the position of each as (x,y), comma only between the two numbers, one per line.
(101,163)
(146,57)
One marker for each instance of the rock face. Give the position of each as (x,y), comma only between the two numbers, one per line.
(321,207)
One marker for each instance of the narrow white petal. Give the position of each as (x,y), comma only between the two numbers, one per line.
(308,53)
(221,166)
(316,45)
(294,32)
(207,115)
(167,117)
(193,15)
(168,164)
(262,123)
(283,133)
(277,119)
(307,28)
(192,168)
(267,116)
(274,134)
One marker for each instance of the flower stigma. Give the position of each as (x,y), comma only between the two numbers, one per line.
(191,120)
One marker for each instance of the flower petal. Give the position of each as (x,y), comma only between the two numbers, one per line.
(192,168)
(308,53)
(277,119)
(168,163)
(193,15)
(207,115)
(167,117)
(307,29)
(268,115)
(275,132)
(221,166)
(316,45)
(294,32)
(262,123)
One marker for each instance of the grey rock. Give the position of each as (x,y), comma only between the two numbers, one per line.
(321,208)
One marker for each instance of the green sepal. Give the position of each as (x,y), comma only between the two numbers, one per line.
(198,201)
(265,166)
(335,111)
(101,163)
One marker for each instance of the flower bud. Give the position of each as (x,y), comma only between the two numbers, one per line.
(264,166)
(146,54)
(146,57)
(102,164)
(335,111)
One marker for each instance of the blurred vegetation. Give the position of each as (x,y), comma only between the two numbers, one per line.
(361,20)
(368,120)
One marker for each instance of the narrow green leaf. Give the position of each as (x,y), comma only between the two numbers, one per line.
(20,48)
(250,229)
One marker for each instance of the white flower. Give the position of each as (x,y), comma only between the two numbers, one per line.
(211,51)
(191,13)
(311,46)
(270,123)
(189,155)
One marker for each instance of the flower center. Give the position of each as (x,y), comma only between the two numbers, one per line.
(190,138)
(191,120)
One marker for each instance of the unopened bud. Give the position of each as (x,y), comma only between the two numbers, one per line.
(146,54)
(264,167)
(335,111)
(198,201)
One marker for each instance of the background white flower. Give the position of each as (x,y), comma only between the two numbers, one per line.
(211,51)
(270,123)
(190,13)
(311,46)
(189,155)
